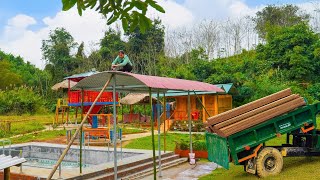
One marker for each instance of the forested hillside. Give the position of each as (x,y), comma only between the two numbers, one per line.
(286,54)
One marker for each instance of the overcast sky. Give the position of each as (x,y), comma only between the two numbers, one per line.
(24,24)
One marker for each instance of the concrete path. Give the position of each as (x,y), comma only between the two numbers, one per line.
(186,171)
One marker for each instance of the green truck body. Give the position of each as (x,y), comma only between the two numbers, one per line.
(241,145)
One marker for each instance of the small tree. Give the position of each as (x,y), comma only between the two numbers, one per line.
(283,16)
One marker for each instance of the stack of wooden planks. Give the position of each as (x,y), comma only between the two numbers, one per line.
(256,112)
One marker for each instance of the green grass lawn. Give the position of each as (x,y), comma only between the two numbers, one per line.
(41,136)
(171,138)
(130,129)
(44,119)
(23,124)
(299,168)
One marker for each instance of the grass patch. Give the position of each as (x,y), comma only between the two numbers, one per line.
(129,129)
(22,128)
(294,168)
(171,138)
(41,136)
(45,119)
(132,130)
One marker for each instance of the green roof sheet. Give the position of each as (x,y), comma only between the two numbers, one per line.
(173,93)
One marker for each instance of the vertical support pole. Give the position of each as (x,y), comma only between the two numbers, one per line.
(189,119)
(20,155)
(130,117)
(62,115)
(122,113)
(203,110)
(76,116)
(159,137)
(68,110)
(109,125)
(145,115)
(152,136)
(120,137)
(216,105)
(164,122)
(6,173)
(81,130)
(114,128)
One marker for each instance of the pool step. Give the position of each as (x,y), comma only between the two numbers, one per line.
(138,167)
(149,171)
(121,168)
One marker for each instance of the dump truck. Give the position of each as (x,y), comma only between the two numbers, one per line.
(240,135)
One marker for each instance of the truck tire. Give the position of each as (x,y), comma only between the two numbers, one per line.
(269,162)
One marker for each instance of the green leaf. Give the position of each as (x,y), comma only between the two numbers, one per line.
(80,5)
(124,24)
(156,6)
(128,8)
(68,4)
(145,23)
(134,22)
(112,19)
(92,3)
(140,5)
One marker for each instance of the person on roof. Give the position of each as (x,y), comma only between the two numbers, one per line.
(123,61)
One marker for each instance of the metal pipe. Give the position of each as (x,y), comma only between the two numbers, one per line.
(3,146)
(88,140)
(164,122)
(159,137)
(120,137)
(114,128)
(60,177)
(189,119)
(81,130)
(20,155)
(109,150)
(9,146)
(152,136)
(78,130)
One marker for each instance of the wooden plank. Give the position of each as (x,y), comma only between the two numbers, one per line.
(255,111)
(262,117)
(248,107)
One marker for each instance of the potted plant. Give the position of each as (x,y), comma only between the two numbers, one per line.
(199,147)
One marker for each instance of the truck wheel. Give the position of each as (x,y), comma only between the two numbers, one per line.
(269,162)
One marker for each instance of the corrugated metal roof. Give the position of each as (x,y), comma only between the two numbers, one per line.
(81,75)
(131,82)
(8,161)
(226,87)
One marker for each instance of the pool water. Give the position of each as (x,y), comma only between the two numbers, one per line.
(48,163)
(46,156)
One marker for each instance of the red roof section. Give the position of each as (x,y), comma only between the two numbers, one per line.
(137,82)
(172,83)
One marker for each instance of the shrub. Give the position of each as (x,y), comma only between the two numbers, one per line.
(197,145)
(20,100)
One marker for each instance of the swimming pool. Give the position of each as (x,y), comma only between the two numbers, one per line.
(46,156)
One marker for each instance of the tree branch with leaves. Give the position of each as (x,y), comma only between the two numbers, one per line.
(132,13)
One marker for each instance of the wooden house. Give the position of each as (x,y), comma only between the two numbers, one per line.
(213,102)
